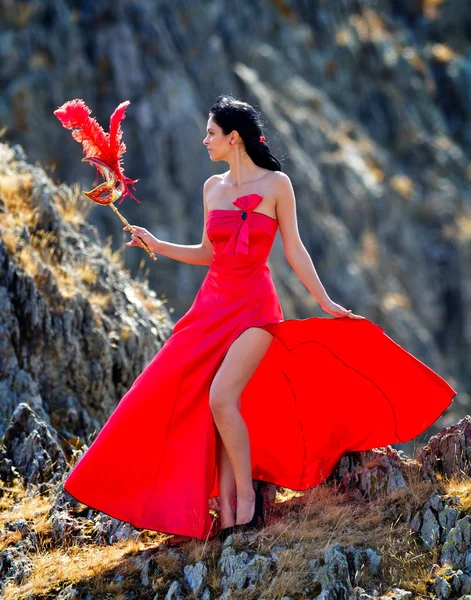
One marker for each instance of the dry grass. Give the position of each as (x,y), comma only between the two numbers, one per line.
(414,59)
(15,191)
(443,53)
(456,486)
(322,516)
(369,26)
(369,252)
(464,227)
(72,204)
(57,568)
(86,273)
(376,171)
(45,242)
(403,185)
(392,300)
(317,518)
(117,256)
(149,300)
(39,254)
(11,241)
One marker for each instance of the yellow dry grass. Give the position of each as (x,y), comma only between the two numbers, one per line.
(464,227)
(369,26)
(443,53)
(15,190)
(403,185)
(86,273)
(392,300)
(116,256)
(73,205)
(369,252)
(39,254)
(317,518)
(322,516)
(456,486)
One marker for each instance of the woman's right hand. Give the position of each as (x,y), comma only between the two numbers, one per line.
(141,234)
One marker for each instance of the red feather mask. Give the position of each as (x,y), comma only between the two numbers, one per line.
(102,150)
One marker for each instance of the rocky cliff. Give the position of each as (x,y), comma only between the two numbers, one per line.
(366,104)
(382,526)
(75,330)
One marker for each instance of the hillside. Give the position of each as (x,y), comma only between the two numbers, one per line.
(76,329)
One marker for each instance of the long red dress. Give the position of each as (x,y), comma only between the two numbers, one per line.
(326,386)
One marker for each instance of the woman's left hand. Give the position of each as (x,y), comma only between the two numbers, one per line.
(336,310)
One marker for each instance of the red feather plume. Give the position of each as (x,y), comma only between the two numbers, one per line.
(96,143)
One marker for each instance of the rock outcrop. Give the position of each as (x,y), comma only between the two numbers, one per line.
(368,107)
(33,457)
(366,104)
(76,330)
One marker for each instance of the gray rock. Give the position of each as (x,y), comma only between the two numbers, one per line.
(29,540)
(344,566)
(63,354)
(456,549)
(435,519)
(15,566)
(430,530)
(33,450)
(448,452)
(174,592)
(64,527)
(68,593)
(372,472)
(374,560)
(447,519)
(335,591)
(400,594)
(464,582)
(360,594)
(456,582)
(195,576)
(206,595)
(241,570)
(442,587)
(275,552)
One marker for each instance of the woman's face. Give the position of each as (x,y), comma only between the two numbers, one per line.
(215,141)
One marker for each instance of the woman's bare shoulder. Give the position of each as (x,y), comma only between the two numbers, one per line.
(213,180)
(280,176)
(280,182)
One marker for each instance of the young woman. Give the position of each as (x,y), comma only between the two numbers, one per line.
(238,393)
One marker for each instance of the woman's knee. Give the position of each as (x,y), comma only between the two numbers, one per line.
(222,398)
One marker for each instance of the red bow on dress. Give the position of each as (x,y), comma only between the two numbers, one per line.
(239,241)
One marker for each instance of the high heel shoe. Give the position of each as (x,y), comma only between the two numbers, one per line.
(253,524)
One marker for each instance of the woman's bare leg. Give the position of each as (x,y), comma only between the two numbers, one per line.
(238,366)
(227,485)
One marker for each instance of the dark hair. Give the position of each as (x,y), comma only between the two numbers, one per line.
(230,113)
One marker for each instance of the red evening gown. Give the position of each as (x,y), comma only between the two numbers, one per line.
(326,386)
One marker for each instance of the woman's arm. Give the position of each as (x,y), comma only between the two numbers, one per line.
(297,255)
(295,251)
(198,254)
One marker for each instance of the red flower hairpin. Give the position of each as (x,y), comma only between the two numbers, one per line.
(262,138)
(102,150)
